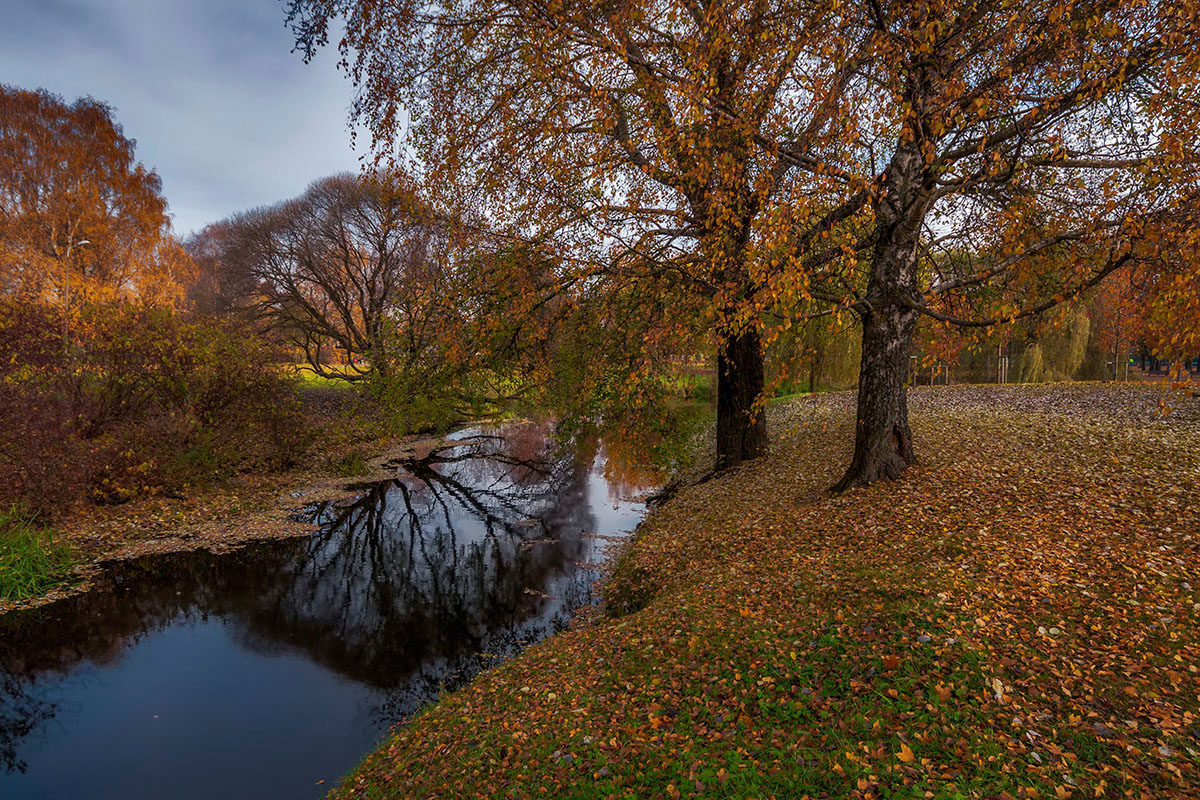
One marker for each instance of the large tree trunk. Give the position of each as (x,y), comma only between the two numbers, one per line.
(883,447)
(741,428)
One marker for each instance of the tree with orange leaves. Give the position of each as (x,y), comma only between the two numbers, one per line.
(79,216)
(970,162)
(1170,312)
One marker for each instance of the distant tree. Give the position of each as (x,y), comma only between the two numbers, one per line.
(754,156)
(78,214)
(1115,308)
(1168,318)
(350,273)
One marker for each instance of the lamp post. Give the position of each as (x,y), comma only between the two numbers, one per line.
(66,298)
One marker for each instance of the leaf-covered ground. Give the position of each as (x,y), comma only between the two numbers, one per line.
(1015,618)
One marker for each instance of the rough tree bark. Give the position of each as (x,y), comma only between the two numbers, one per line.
(883,447)
(741,429)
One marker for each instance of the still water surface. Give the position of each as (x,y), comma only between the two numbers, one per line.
(269,672)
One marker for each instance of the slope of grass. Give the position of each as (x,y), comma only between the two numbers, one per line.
(1014,619)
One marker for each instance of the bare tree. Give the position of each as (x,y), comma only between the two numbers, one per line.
(350,272)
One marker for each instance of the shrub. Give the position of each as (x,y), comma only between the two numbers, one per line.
(135,399)
(415,401)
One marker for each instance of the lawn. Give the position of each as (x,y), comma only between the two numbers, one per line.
(311,380)
(1016,618)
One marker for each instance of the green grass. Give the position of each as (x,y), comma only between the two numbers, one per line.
(31,562)
(351,465)
(310,380)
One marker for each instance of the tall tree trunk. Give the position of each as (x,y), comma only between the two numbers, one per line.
(883,447)
(741,429)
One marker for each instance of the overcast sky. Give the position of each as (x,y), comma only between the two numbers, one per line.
(219,105)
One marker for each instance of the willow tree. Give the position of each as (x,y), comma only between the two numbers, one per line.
(971,162)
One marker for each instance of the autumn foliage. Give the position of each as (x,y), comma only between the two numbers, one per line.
(138,401)
(80,217)
(957,163)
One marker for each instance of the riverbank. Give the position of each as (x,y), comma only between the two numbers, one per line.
(1015,618)
(271,671)
(220,517)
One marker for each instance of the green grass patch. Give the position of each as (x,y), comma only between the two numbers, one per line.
(31,562)
(351,465)
(311,380)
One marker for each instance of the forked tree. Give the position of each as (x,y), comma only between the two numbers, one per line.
(968,161)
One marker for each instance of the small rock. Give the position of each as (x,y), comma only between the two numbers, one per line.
(602,772)
(1165,751)
(1102,729)
(924,638)
(588,740)
(1055,631)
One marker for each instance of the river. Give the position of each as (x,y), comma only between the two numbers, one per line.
(271,671)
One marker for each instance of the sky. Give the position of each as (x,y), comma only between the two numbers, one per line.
(220,107)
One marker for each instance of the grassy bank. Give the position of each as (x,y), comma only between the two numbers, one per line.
(31,561)
(1016,618)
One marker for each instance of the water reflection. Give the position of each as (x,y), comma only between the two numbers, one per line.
(412,586)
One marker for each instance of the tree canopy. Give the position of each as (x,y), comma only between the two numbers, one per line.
(968,162)
(79,215)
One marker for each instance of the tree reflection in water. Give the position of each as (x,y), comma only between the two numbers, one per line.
(469,553)
(411,587)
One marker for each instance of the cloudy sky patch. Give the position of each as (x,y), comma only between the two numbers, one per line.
(219,105)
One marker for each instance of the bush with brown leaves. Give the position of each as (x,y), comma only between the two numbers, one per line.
(123,399)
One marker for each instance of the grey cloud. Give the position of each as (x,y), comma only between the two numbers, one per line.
(220,107)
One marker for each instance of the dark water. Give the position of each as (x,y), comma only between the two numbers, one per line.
(261,673)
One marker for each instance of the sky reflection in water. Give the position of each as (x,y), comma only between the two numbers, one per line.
(260,673)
